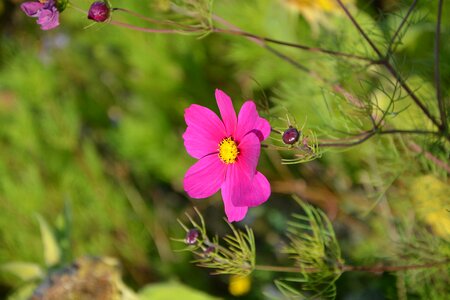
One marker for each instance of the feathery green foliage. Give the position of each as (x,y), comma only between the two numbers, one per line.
(236,256)
(315,250)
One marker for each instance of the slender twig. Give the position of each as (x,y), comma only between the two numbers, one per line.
(437,76)
(349,144)
(358,27)
(153,21)
(287,59)
(237,31)
(399,28)
(441,164)
(285,269)
(349,268)
(151,30)
(267,47)
(275,130)
(381,269)
(410,92)
(368,134)
(391,70)
(404,131)
(293,45)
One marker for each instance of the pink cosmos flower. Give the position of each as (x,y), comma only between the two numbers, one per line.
(228,152)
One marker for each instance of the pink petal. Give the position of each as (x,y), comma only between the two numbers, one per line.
(263,126)
(204,131)
(249,150)
(205,177)
(31,8)
(226,111)
(260,190)
(48,18)
(246,120)
(233,212)
(245,191)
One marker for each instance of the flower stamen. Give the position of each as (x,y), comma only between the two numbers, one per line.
(228,150)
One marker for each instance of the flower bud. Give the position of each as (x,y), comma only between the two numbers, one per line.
(99,11)
(192,236)
(291,136)
(208,251)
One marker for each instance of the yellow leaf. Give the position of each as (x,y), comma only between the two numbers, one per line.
(23,270)
(432,202)
(52,253)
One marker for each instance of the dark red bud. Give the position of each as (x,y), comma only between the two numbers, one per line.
(99,11)
(208,251)
(291,136)
(192,236)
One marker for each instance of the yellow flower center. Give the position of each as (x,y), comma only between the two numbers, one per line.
(228,150)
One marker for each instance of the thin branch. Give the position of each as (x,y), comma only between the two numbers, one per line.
(437,76)
(153,21)
(287,59)
(151,30)
(413,96)
(403,22)
(404,131)
(293,45)
(267,47)
(393,72)
(441,164)
(358,27)
(366,135)
(237,31)
(349,268)
(381,269)
(285,269)
(350,144)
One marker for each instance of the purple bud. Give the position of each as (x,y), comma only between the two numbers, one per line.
(192,236)
(99,11)
(209,250)
(291,136)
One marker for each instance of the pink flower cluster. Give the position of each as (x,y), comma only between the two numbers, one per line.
(228,151)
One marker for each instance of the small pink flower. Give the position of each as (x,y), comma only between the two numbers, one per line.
(228,152)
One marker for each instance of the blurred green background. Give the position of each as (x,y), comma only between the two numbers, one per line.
(93,117)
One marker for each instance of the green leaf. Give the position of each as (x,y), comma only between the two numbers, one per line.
(23,293)
(52,253)
(167,291)
(23,270)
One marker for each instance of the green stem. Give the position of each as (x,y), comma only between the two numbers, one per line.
(437,76)
(403,22)
(349,268)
